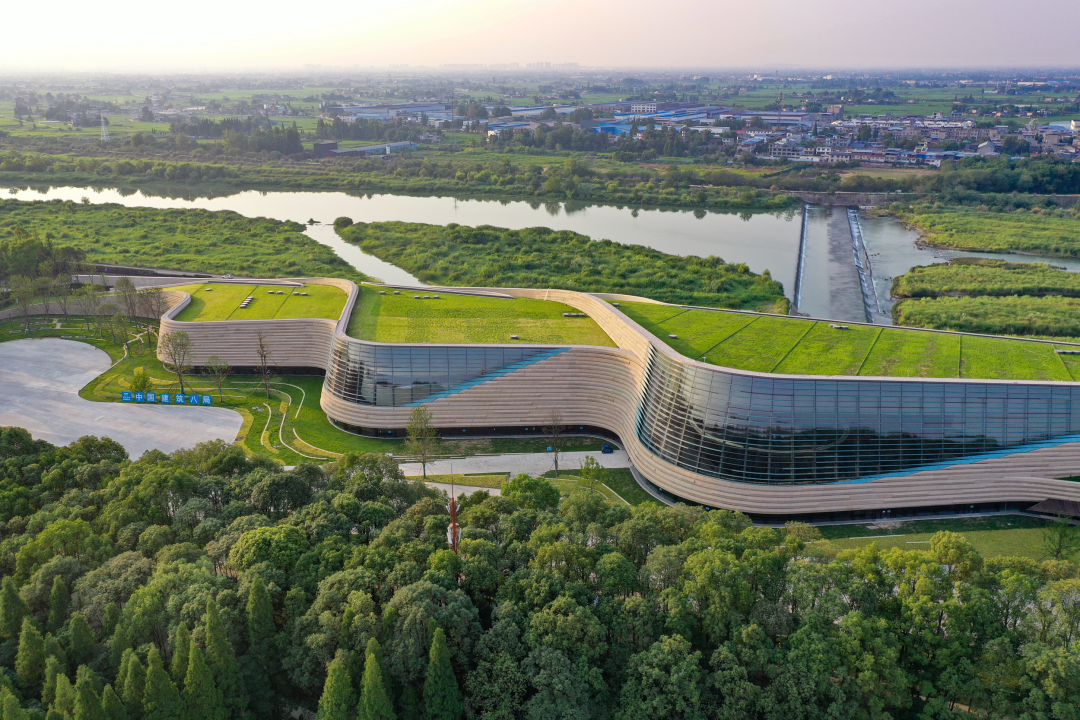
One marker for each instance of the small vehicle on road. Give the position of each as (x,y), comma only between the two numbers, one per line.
(606,450)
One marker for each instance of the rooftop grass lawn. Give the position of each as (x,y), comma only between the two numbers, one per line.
(910,353)
(830,351)
(221,301)
(797,346)
(1002,359)
(468,319)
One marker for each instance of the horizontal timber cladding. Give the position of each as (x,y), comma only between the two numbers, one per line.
(293,343)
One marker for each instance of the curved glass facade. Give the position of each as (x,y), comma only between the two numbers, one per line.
(805,430)
(402,375)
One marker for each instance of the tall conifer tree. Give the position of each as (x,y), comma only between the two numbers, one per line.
(64,702)
(338,701)
(131,683)
(374,700)
(53,668)
(181,648)
(161,701)
(80,640)
(9,706)
(12,609)
(59,600)
(442,696)
(202,698)
(112,705)
(259,664)
(222,661)
(87,700)
(30,660)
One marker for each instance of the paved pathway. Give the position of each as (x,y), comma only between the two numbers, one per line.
(531,463)
(40,381)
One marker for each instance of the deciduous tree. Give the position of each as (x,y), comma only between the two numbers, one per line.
(422,441)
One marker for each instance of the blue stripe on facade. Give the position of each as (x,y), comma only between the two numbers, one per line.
(506,370)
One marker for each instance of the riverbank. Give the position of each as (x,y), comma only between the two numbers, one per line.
(1048,232)
(193,240)
(561,180)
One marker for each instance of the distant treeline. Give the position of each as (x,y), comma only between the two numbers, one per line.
(365,129)
(542,258)
(250,134)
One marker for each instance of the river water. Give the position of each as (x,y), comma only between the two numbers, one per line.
(763,241)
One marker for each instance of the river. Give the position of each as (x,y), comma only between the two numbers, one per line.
(763,241)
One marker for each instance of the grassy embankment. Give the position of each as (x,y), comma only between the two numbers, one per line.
(468,319)
(540,258)
(807,347)
(192,240)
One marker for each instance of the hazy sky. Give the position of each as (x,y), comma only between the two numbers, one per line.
(273,35)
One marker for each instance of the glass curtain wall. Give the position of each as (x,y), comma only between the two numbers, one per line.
(806,430)
(403,375)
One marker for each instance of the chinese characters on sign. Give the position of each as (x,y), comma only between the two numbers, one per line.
(166,398)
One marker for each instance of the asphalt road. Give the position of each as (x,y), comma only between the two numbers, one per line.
(39,390)
(532,463)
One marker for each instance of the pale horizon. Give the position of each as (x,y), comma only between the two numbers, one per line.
(841,35)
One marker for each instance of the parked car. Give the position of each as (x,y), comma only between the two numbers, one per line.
(606,450)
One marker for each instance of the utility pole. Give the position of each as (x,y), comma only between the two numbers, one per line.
(453,513)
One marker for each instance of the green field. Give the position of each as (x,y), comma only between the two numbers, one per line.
(993,536)
(797,346)
(468,319)
(221,301)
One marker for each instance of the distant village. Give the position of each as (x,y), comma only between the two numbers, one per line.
(796,136)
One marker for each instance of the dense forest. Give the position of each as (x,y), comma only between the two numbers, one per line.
(541,258)
(205,584)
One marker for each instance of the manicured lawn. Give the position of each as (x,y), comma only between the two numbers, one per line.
(221,301)
(1009,360)
(796,346)
(830,351)
(761,345)
(492,481)
(212,302)
(994,536)
(909,353)
(622,481)
(698,332)
(468,319)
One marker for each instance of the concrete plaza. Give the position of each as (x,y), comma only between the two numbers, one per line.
(40,381)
